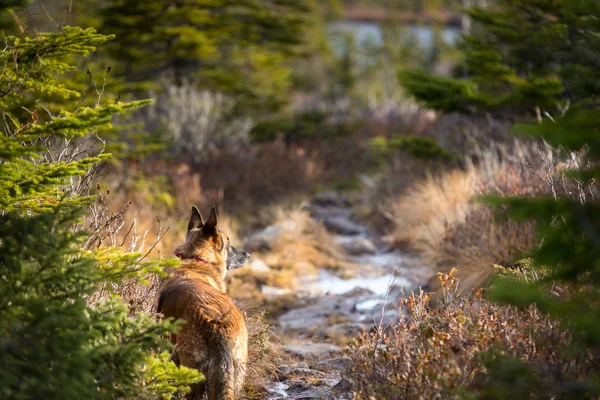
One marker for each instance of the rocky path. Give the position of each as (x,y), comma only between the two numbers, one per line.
(333,309)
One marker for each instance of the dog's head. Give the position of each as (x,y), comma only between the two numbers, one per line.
(204,242)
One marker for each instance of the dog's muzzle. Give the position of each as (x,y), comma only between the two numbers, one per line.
(236,258)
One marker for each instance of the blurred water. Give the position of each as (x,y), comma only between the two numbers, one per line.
(370,33)
(329,283)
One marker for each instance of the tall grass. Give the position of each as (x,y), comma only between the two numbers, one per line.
(440,216)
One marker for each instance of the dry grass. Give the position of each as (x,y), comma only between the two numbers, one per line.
(437,353)
(302,240)
(440,217)
(264,354)
(423,213)
(301,248)
(155,205)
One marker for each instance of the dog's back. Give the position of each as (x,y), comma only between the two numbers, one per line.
(214,338)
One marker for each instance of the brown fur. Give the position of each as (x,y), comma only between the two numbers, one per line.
(214,338)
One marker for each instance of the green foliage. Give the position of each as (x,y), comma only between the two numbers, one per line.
(55,345)
(418,147)
(522,54)
(240,49)
(508,378)
(62,337)
(267,129)
(441,93)
(30,64)
(33,172)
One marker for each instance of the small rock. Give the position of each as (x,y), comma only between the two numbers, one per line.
(357,292)
(303,319)
(257,265)
(312,350)
(358,246)
(272,291)
(304,391)
(322,212)
(343,385)
(331,382)
(264,239)
(341,225)
(337,363)
(277,390)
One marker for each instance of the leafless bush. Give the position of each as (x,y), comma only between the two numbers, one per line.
(528,168)
(436,353)
(464,135)
(197,121)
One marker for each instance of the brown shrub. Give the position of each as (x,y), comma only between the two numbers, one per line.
(437,353)
(474,246)
(258,176)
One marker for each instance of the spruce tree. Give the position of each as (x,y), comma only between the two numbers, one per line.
(238,48)
(59,338)
(568,257)
(522,55)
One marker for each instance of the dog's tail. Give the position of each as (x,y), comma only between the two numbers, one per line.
(225,373)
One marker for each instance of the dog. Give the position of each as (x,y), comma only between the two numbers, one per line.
(214,338)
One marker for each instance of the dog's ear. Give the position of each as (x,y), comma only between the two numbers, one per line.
(211,224)
(195,220)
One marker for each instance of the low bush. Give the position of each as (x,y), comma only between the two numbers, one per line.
(443,352)
(194,123)
(418,147)
(474,246)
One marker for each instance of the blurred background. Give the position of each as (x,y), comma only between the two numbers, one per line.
(348,145)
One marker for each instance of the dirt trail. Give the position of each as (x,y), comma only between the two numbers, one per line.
(332,309)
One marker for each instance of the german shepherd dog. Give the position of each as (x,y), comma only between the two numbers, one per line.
(214,338)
